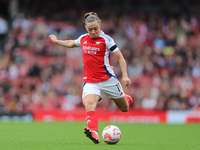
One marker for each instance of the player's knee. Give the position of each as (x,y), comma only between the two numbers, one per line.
(125,109)
(89,106)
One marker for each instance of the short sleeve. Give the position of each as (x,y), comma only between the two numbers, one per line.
(110,44)
(78,41)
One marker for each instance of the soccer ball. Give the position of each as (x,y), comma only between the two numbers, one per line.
(111,134)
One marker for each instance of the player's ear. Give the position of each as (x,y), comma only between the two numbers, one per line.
(86,27)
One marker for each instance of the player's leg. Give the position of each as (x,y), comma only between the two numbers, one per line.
(113,89)
(90,103)
(90,98)
(123,103)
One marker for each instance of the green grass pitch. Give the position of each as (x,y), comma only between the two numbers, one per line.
(69,136)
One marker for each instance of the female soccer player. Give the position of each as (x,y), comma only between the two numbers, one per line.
(98,75)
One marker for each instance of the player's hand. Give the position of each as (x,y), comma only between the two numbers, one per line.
(126,81)
(53,38)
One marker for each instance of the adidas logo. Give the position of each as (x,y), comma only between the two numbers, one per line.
(98,42)
(85,42)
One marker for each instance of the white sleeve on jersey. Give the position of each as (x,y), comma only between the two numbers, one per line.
(110,44)
(78,41)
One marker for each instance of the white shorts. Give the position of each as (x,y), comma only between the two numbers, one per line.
(111,88)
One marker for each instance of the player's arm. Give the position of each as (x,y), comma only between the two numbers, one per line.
(66,43)
(122,63)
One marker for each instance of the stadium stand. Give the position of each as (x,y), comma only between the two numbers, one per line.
(162,50)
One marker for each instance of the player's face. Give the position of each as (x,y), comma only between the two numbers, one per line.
(93,28)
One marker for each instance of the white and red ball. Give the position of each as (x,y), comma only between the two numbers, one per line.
(111,134)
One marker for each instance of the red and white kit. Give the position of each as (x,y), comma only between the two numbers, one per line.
(97,65)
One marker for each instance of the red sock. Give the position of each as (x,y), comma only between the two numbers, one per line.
(92,121)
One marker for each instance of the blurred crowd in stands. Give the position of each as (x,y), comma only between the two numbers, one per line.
(162,54)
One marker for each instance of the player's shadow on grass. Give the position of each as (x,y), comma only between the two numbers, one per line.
(101,143)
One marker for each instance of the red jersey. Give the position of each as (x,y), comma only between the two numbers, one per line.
(96,57)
